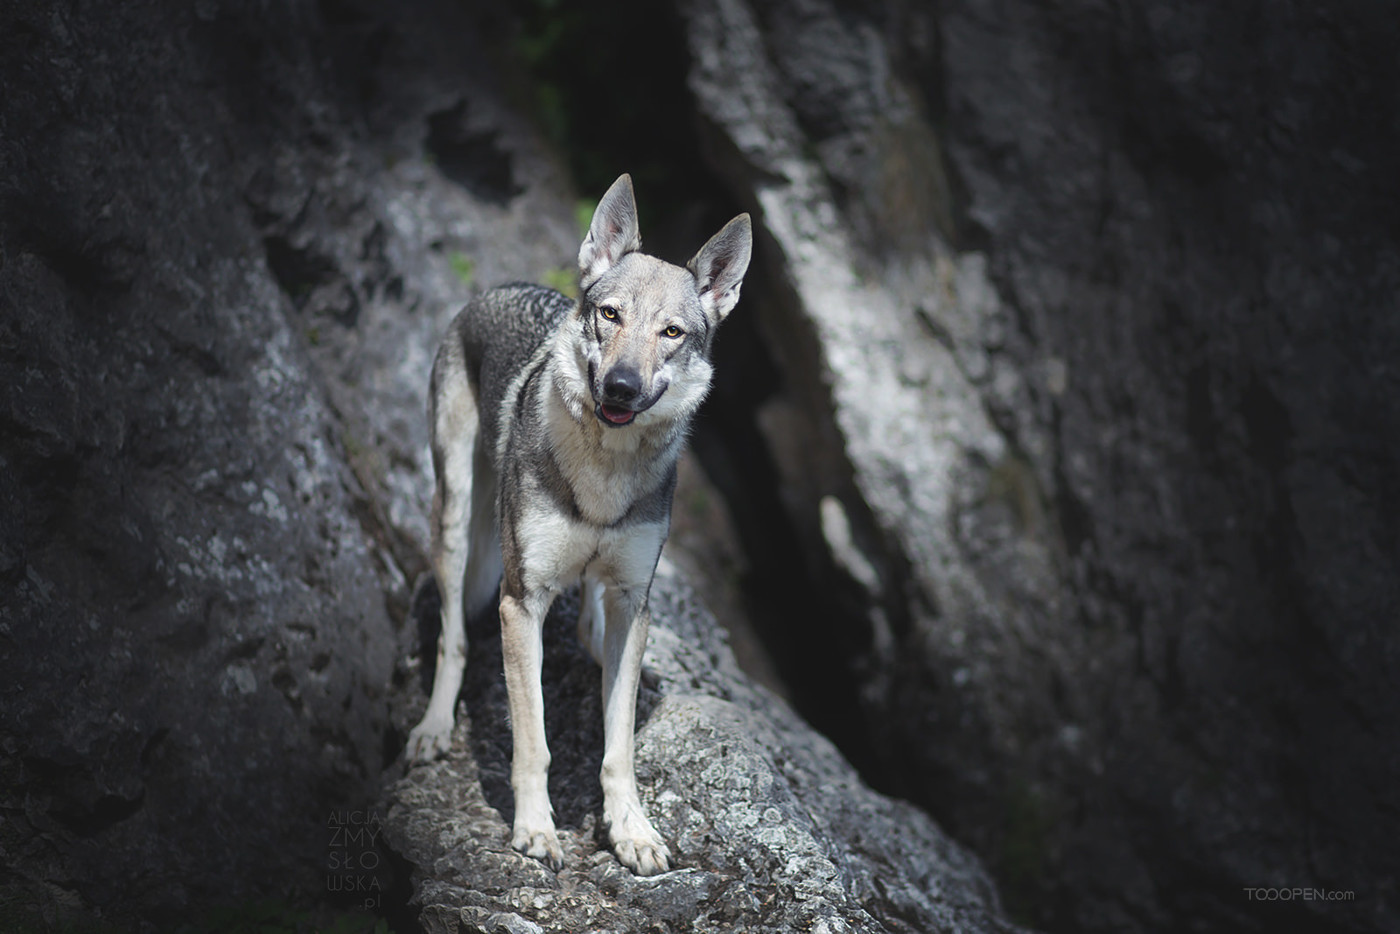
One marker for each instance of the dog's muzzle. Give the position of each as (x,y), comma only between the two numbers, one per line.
(621,397)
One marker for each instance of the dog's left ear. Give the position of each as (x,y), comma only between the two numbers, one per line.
(720,265)
(613,233)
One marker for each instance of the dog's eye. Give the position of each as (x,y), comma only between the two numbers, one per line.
(672,331)
(608,311)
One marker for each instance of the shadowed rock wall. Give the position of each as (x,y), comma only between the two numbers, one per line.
(1084,316)
(228,241)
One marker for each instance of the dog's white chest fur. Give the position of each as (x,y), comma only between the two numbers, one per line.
(557,550)
(608,470)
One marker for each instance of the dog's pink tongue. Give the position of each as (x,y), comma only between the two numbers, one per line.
(617,416)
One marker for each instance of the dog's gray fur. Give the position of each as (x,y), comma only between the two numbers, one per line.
(578,411)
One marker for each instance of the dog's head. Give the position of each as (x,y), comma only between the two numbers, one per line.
(646,325)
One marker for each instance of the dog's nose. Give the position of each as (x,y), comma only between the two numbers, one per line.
(622,384)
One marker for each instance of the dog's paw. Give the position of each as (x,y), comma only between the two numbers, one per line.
(428,740)
(643,858)
(639,847)
(541,844)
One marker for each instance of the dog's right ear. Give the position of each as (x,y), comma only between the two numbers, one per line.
(613,234)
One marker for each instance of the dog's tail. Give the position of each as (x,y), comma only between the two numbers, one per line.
(483,577)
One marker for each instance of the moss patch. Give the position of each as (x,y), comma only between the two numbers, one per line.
(462,267)
(563,279)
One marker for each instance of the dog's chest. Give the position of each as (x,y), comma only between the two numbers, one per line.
(557,550)
(606,472)
(604,497)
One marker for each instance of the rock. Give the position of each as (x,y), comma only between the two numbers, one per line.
(770,828)
(227,242)
(1081,319)
(195,637)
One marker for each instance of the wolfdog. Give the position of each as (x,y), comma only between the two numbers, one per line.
(578,410)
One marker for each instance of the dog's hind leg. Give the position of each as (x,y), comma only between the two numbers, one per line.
(433,735)
(453,426)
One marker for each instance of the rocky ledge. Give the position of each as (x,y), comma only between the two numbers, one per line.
(770,828)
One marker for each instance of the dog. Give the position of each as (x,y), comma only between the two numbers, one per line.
(573,414)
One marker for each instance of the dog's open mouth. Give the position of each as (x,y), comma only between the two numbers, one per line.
(615,414)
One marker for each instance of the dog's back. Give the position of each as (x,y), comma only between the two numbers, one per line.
(491,341)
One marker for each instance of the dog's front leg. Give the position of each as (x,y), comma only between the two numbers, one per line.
(522,622)
(636,843)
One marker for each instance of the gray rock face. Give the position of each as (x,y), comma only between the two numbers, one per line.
(770,829)
(1082,319)
(194,629)
(227,244)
